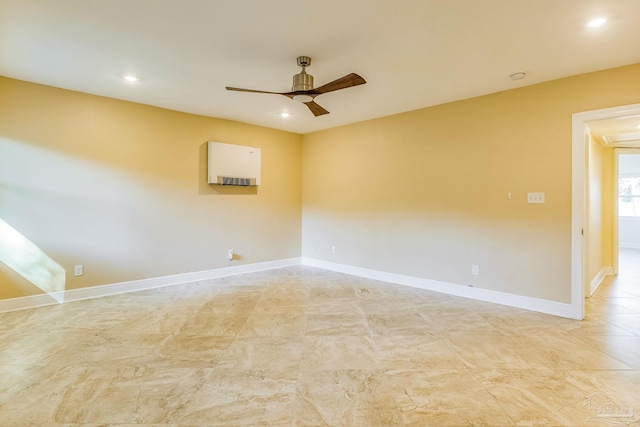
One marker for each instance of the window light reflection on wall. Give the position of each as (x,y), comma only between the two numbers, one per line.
(28,260)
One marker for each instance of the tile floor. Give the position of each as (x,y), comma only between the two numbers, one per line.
(306,347)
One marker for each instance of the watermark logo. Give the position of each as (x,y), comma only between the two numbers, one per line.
(605,410)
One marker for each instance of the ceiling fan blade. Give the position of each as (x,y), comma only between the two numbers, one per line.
(237,89)
(349,80)
(316,109)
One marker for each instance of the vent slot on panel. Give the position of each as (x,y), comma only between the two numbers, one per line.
(228,180)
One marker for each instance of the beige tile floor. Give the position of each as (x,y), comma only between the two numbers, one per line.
(306,347)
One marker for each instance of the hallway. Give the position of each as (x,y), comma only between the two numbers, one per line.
(615,307)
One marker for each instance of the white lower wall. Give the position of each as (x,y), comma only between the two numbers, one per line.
(629,232)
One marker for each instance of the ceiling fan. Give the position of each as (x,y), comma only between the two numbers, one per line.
(303,91)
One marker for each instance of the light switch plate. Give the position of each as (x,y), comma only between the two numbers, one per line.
(535,197)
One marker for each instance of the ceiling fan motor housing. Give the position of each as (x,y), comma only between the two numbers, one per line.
(302,80)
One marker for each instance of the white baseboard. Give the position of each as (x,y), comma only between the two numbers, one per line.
(41,300)
(23,303)
(496,297)
(597,280)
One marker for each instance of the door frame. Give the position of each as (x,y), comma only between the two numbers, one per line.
(579,169)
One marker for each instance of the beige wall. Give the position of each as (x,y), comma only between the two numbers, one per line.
(424,193)
(121,188)
(608,181)
(597,154)
(12,285)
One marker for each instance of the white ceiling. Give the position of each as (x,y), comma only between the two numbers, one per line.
(413,53)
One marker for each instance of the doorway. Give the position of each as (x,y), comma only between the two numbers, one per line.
(579,198)
(627,202)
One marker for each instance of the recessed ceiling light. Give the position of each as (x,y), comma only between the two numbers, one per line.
(285,114)
(597,22)
(130,78)
(518,76)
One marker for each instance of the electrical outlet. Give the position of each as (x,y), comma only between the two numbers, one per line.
(230,254)
(333,249)
(78,270)
(475,269)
